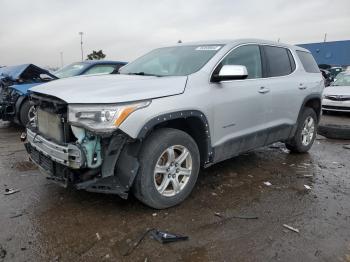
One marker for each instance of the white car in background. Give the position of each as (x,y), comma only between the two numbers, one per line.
(337,96)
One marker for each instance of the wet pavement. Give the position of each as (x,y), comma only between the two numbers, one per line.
(44,222)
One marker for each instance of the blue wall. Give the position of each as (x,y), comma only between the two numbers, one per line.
(332,53)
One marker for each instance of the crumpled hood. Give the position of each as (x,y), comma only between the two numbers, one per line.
(112,88)
(337,90)
(23,88)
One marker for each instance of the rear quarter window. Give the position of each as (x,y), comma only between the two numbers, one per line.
(279,60)
(308,62)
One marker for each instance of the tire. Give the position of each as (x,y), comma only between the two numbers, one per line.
(296,144)
(154,151)
(335,131)
(24,113)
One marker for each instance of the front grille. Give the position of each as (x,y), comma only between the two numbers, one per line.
(338,98)
(342,108)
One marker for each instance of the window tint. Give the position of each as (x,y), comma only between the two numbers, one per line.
(278,61)
(308,62)
(99,69)
(247,55)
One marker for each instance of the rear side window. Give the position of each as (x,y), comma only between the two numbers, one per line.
(308,62)
(279,61)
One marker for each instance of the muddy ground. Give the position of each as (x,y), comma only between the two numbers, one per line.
(44,222)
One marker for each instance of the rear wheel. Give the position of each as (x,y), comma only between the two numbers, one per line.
(169,166)
(27,113)
(305,134)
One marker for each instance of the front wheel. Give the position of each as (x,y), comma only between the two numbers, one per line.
(27,113)
(169,166)
(305,134)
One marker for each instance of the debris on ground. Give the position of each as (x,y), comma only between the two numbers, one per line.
(307,187)
(235,216)
(161,236)
(10,191)
(346,146)
(154,214)
(308,175)
(2,252)
(291,228)
(98,236)
(267,183)
(166,237)
(17,215)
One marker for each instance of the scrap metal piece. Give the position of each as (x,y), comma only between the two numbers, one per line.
(166,237)
(10,191)
(291,228)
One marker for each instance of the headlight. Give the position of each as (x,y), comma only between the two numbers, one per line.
(102,118)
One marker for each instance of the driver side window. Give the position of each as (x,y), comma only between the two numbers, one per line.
(248,56)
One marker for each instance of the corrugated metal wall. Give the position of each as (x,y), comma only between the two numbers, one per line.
(332,53)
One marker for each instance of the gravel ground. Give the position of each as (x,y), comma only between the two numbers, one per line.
(44,222)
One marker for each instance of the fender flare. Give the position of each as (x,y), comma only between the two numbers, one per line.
(307,99)
(184,114)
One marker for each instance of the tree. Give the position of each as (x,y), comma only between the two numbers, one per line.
(96,55)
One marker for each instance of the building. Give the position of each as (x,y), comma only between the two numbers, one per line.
(336,53)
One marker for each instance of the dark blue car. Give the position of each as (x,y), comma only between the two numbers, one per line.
(15,81)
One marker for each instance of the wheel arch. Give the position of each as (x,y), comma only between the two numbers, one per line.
(312,101)
(193,122)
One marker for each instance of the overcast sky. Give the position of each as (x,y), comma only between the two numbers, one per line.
(36,31)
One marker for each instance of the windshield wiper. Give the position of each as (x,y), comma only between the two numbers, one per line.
(142,74)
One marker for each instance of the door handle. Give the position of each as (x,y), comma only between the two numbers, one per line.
(263,90)
(302,87)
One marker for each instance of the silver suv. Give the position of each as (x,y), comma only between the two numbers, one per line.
(149,129)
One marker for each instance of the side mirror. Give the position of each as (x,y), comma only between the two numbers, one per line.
(230,72)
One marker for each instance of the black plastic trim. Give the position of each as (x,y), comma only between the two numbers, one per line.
(181,115)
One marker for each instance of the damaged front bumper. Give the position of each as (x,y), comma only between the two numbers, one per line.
(68,164)
(68,155)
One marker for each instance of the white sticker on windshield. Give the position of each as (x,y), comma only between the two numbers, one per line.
(208,48)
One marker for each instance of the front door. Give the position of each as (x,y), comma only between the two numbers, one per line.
(239,106)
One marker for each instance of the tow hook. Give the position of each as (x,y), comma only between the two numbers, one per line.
(23,137)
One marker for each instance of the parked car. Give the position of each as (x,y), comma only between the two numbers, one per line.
(150,128)
(335,70)
(337,96)
(327,77)
(89,67)
(17,80)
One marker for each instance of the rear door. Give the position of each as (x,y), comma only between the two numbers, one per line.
(285,92)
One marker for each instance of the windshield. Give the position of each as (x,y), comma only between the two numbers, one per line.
(70,70)
(343,79)
(172,61)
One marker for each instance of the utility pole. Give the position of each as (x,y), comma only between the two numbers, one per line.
(61,55)
(325,38)
(81,45)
